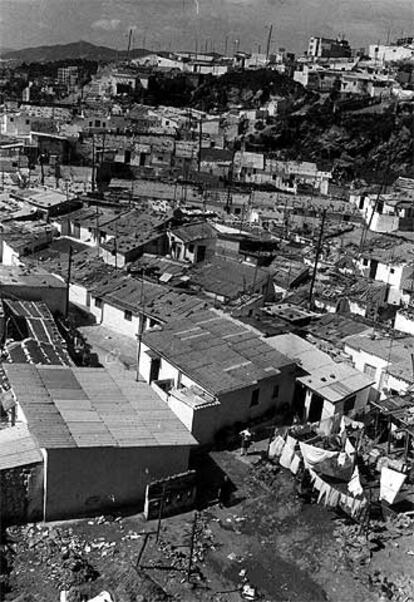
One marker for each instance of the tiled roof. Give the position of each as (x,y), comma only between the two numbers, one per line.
(217,352)
(85,407)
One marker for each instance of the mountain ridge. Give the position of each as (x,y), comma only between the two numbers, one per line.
(73,50)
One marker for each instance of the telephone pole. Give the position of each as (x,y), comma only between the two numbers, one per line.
(69,273)
(269,40)
(200,142)
(318,252)
(140,325)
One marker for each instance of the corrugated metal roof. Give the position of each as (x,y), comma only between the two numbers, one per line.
(18,447)
(218,353)
(83,407)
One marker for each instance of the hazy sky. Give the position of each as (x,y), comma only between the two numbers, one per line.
(177,23)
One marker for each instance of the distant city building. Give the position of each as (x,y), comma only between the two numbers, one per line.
(68,76)
(327,48)
(389,53)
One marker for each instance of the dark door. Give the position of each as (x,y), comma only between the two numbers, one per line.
(373,269)
(315,409)
(201,253)
(155,368)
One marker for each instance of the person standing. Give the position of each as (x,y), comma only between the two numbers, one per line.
(246,441)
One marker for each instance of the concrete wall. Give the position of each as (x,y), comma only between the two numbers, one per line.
(21,494)
(361,358)
(79,295)
(234,406)
(329,409)
(86,481)
(404,322)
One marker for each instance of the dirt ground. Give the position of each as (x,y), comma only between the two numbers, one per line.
(266,541)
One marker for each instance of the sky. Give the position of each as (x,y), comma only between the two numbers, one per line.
(176,24)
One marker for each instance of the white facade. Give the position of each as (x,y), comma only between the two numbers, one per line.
(404,321)
(390,53)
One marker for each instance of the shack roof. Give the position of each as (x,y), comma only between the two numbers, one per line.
(28,276)
(336,381)
(158,301)
(332,380)
(217,352)
(227,278)
(194,231)
(336,328)
(306,355)
(390,251)
(44,198)
(87,407)
(396,351)
(18,447)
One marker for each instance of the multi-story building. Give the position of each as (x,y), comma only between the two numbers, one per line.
(328,48)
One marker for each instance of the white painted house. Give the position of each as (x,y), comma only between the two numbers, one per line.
(388,360)
(215,372)
(324,388)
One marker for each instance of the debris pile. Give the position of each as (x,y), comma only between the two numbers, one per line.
(60,550)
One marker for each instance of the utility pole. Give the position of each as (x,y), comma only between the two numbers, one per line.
(98,238)
(93,162)
(129,45)
(269,40)
(200,140)
(116,243)
(140,325)
(318,252)
(69,273)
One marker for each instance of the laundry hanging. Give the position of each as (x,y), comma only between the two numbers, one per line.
(390,484)
(354,485)
(312,456)
(287,456)
(276,447)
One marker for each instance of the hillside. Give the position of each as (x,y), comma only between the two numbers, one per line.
(246,88)
(373,146)
(74,50)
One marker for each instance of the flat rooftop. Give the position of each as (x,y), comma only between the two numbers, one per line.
(45,198)
(86,407)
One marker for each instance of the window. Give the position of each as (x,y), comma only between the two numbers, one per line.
(275,393)
(392,271)
(370,371)
(349,404)
(98,302)
(11,119)
(365,261)
(191,248)
(128,315)
(255,398)
(27,121)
